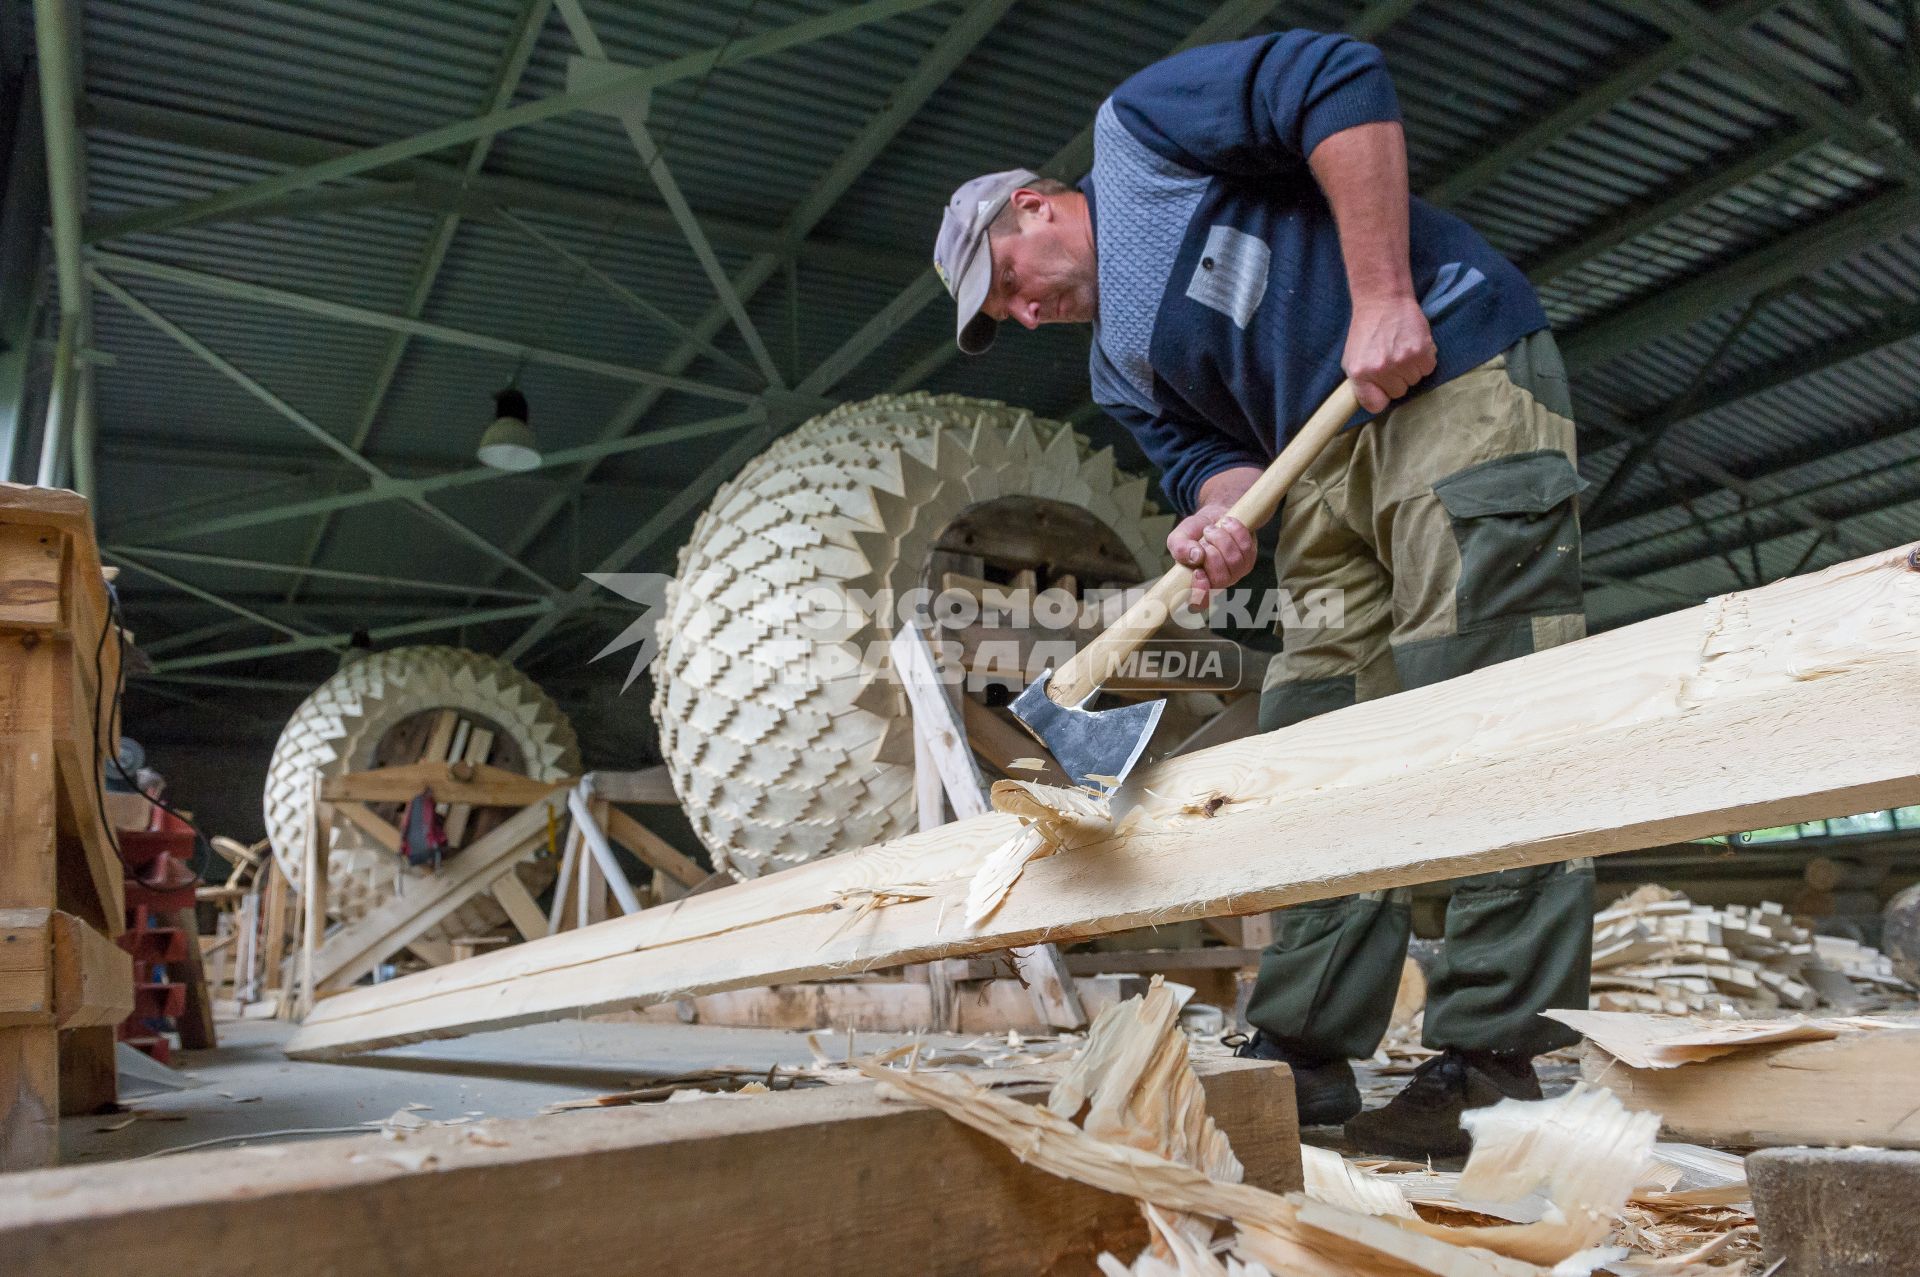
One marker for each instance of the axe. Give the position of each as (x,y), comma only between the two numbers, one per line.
(1097,748)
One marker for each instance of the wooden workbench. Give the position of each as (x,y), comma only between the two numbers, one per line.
(61,898)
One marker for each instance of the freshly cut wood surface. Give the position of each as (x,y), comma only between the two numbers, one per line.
(1786,703)
(832,1181)
(1860,1088)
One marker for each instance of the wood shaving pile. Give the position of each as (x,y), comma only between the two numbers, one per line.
(1554,1188)
(1657,951)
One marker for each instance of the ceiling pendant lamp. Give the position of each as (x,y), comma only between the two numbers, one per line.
(509,443)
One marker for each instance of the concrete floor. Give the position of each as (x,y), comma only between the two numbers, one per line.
(246,1091)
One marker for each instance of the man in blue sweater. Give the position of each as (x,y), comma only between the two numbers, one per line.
(1245,240)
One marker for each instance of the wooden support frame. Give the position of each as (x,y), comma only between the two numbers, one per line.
(836,1181)
(60,658)
(358,947)
(1786,703)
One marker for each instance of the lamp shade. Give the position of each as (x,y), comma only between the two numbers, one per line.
(509,443)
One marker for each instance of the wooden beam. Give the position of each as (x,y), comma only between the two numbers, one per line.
(1782,704)
(652,849)
(521,908)
(841,1186)
(1859,1088)
(651,786)
(477,784)
(362,818)
(92,976)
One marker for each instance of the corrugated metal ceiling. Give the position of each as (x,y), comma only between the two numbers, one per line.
(749,142)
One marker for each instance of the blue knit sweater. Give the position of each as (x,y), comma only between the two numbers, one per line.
(1223,296)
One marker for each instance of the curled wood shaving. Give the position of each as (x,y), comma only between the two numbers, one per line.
(1143,1131)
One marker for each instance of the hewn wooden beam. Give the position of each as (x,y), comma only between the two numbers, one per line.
(1787,703)
(475,784)
(832,1181)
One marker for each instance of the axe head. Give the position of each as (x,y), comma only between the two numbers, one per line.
(1096,748)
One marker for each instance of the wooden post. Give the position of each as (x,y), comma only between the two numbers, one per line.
(940,749)
(314,876)
(275,903)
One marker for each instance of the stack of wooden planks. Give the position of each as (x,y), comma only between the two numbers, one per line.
(1837,1081)
(1657,951)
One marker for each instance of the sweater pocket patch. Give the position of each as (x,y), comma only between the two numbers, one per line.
(1231,276)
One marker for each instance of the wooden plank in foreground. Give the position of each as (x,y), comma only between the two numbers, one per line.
(1787,703)
(831,1181)
(1859,1088)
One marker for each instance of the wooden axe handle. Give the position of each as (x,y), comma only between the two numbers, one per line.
(1095,663)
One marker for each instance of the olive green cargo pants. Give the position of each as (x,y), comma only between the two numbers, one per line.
(1450,526)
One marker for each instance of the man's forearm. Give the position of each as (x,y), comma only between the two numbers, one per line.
(1363,171)
(1228,486)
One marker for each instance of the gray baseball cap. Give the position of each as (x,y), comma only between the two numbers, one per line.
(962,256)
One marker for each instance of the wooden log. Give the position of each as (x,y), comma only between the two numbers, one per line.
(1833,873)
(1860,1088)
(1757,709)
(832,1181)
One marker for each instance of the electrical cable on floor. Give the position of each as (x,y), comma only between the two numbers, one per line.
(258,1135)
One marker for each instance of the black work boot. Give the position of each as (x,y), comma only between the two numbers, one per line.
(1323,1091)
(1424,1119)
